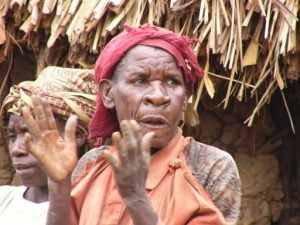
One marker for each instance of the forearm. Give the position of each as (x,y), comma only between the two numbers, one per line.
(141,210)
(59,202)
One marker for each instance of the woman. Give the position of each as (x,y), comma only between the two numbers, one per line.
(152,174)
(68,91)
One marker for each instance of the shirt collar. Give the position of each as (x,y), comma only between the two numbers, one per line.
(159,165)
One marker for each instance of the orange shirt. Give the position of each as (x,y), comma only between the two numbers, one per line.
(175,194)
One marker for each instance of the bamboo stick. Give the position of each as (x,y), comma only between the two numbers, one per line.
(278,76)
(122,14)
(288,112)
(199,93)
(233,71)
(271,88)
(268,20)
(248,17)
(151,12)
(239,33)
(266,27)
(2,29)
(246,84)
(262,7)
(48,6)
(207,81)
(224,13)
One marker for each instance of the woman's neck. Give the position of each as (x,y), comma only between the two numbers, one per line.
(36,194)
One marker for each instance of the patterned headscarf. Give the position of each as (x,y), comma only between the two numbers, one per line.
(68,91)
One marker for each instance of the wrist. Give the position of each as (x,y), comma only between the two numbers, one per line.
(61,186)
(135,197)
(140,209)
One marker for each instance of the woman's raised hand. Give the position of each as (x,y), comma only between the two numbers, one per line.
(57,155)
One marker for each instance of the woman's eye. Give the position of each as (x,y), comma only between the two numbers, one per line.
(140,81)
(172,82)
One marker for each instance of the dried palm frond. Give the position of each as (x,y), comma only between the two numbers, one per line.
(257,36)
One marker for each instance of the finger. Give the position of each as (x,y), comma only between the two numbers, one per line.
(129,137)
(137,130)
(111,160)
(49,115)
(146,141)
(40,116)
(34,151)
(29,145)
(70,130)
(146,146)
(117,141)
(136,137)
(49,167)
(31,123)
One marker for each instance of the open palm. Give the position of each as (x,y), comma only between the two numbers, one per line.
(56,155)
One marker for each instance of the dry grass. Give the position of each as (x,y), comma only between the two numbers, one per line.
(255,40)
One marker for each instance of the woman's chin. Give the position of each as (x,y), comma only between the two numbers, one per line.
(159,142)
(161,136)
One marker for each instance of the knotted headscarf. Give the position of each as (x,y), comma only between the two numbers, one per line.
(104,121)
(68,91)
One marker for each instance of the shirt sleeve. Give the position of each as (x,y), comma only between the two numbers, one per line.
(88,157)
(225,189)
(217,172)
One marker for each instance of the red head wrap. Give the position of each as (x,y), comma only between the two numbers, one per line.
(104,121)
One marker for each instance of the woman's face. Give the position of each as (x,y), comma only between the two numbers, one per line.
(148,87)
(26,165)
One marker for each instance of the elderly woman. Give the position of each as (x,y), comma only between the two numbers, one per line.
(151,174)
(67,91)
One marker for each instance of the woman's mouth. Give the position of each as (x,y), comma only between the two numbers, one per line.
(24,171)
(153,122)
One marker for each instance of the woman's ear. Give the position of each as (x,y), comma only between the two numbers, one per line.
(106,93)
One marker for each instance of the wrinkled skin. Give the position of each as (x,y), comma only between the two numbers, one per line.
(134,158)
(148,87)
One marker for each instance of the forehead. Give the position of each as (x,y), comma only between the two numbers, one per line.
(144,52)
(147,56)
(20,121)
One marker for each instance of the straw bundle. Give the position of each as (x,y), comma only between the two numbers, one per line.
(253,42)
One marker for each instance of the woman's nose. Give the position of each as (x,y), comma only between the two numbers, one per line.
(18,148)
(157,95)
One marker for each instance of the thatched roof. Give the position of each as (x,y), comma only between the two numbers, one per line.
(252,44)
